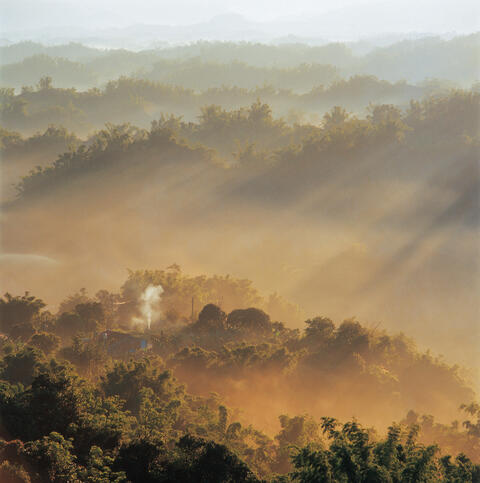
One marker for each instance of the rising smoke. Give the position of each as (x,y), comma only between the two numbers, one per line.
(150,304)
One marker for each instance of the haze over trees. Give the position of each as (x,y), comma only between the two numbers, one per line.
(84,399)
(240,262)
(204,65)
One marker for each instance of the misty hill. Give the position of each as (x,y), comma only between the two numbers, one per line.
(20,155)
(248,340)
(239,241)
(16,52)
(141,102)
(126,377)
(402,185)
(83,67)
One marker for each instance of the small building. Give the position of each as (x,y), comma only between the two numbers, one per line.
(122,343)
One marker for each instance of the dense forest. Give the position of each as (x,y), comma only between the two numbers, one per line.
(142,101)
(203,65)
(87,396)
(315,210)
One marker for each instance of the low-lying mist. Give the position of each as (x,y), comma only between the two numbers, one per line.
(399,252)
(234,261)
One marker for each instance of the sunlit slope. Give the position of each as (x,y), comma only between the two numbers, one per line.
(376,218)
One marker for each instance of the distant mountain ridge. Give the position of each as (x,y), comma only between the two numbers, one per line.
(142,27)
(78,65)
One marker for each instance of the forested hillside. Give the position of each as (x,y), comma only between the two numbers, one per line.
(330,176)
(278,249)
(86,396)
(203,65)
(142,101)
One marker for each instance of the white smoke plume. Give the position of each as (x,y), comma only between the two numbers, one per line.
(150,303)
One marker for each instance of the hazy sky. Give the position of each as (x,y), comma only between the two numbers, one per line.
(368,17)
(190,11)
(124,12)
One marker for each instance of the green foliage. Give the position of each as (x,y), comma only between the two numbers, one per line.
(211,319)
(353,455)
(111,146)
(140,399)
(85,354)
(86,318)
(138,423)
(296,432)
(45,341)
(251,321)
(203,461)
(137,459)
(126,380)
(473,409)
(21,365)
(52,456)
(69,304)
(17,314)
(449,437)
(99,468)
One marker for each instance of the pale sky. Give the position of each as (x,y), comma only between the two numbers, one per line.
(367,16)
(124,12)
